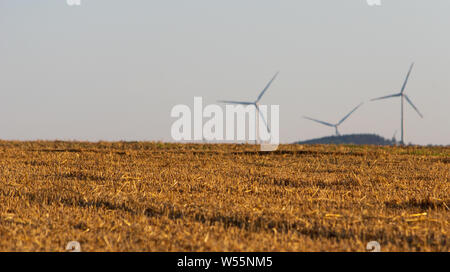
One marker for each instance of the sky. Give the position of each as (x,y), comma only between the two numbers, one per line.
(113,69)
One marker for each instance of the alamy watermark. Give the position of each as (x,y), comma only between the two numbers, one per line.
(73,2)
(73,246)
(373,246)
(374,3)
(230,126)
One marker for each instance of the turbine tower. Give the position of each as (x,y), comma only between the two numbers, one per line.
(403,97)
(256,104)
(337,124)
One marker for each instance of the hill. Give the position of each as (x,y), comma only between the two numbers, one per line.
(357,139)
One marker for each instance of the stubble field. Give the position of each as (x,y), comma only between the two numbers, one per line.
(173,197)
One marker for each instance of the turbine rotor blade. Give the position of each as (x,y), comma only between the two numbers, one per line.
(267,87)
(343,119)
(264,119)
(318,121)
(407,77)
(387,96)
(414,107)
(236,102)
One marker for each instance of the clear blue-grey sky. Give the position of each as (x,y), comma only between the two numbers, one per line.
(113,69)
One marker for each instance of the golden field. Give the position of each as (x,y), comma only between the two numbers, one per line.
(174,197)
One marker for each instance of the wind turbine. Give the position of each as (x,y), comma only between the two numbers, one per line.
(402,96)
(394,138)
(256,104)
(337,124)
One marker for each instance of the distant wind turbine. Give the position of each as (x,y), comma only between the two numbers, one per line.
(403,96)
(256,104)
(337,124)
